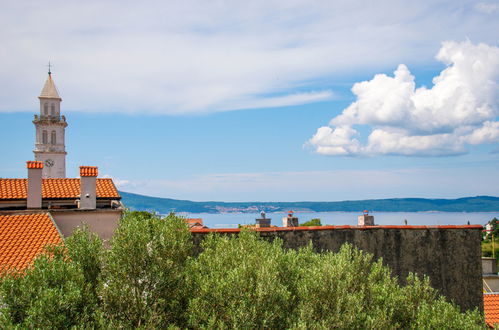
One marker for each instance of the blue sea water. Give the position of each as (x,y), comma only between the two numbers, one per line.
(231,220)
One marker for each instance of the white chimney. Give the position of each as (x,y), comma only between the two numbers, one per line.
(365,219)
(290,220)
(88,193)
(34,184)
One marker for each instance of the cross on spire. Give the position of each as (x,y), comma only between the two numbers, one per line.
(49,66)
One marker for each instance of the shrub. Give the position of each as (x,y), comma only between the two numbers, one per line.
(240,282)
(144,272)
(53,293)
(149,279)
(312,223)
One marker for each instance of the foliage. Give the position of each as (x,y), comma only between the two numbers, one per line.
(145,271)
(312,223)
(58,291)
(148,278)
(240,283)
(487,245)
(495,227)
(85,249)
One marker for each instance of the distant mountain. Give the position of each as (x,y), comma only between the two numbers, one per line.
(165,205)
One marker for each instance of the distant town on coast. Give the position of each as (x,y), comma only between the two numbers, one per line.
(165,205)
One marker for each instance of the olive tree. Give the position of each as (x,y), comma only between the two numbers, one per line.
(144,278)
(148,278)
(239,283)
(58,290)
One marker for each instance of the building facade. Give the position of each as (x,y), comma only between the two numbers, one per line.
(50,127)
(70,202)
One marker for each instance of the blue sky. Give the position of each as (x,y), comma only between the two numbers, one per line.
(242,102)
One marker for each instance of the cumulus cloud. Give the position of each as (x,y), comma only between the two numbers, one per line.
(460,109)
(195,56)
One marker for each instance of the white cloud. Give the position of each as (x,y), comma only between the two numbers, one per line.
(171,57)
(119,183)
(487,7)
(460,109)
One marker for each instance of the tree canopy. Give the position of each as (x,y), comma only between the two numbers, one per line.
(149,278)
(312,223)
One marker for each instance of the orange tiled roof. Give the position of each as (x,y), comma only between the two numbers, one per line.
(195,222)
(491,308)
(55,188)
(34,164)
(89,171)
(23,237)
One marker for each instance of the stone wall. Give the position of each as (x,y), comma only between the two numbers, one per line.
(449,255)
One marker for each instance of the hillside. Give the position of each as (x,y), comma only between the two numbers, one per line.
(165,205)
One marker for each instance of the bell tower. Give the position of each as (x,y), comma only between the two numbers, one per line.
(50,132)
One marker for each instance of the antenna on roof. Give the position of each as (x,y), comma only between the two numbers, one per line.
(49,66)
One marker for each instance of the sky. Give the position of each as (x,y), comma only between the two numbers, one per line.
(261,100)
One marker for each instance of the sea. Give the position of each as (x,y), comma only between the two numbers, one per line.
(232,220)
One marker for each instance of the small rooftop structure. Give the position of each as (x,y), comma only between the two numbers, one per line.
(195,223)
(290,220)
(263,221)
(365,219)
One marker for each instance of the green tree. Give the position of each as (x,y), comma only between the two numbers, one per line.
(312,223)
(349,290)
(52,294)
(242,282)
(149,279)
(145,273)
(239,282)
(495,226)
(86,249)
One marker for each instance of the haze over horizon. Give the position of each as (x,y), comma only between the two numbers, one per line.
(262,101)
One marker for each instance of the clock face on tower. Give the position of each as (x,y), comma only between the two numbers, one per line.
(49,163)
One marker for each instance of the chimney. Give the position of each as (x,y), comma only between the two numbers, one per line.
(489,266)
(34,184)
(263,221)
(290,220)
(365,219)
(88,193)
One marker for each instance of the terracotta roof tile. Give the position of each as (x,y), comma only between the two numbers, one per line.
(195,223)
(34,164)
(89,171)
(55,188)
(491,308)
(23,237)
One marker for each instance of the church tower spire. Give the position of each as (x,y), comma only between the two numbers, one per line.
(50,132)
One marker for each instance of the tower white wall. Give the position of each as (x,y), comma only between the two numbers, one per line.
(50,139)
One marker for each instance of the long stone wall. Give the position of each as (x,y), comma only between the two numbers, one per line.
(449,255)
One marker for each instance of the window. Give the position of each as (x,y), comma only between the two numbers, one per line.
(52,109)
(45,109)
(44,137)
(52,137)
